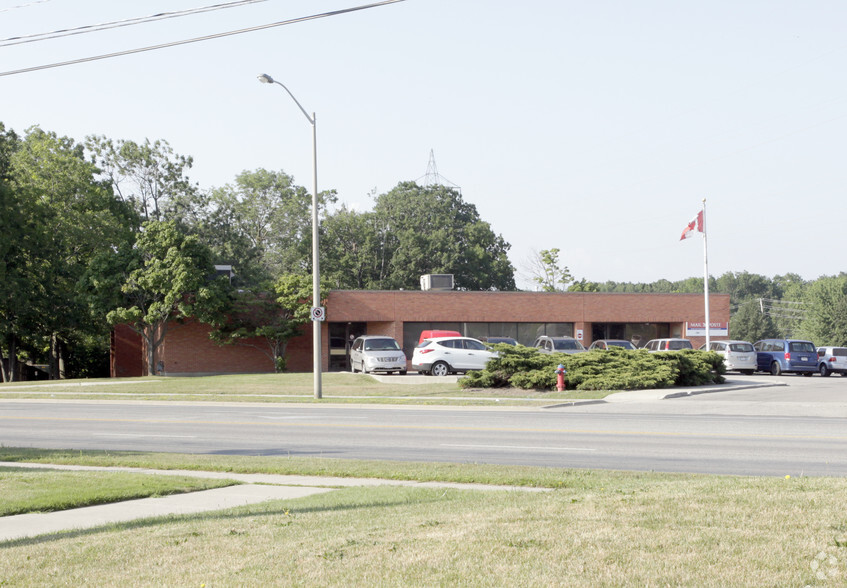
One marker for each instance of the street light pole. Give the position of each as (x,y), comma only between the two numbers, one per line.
(317,351)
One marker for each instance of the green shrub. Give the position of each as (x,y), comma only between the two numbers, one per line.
(534,380)
(614,369)
(694,367)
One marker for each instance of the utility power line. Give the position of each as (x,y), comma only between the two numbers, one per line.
(782,308)
(198,39)
(27,5)
(8,42)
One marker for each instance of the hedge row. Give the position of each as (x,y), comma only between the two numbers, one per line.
(614,369)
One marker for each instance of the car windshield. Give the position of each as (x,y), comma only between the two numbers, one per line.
(741,347)
(566,344)
(802,346)
(840,351)
(381,345)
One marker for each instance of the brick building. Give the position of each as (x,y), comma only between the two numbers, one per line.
(187,349)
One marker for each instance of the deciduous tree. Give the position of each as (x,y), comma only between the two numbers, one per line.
(825,320)
(170,278)
(149,176)
(65,216)
(416,230)
(546,270)
(262,224)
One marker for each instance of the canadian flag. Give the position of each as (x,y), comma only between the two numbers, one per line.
(696,224)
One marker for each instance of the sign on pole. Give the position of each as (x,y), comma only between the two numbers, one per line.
(318,313)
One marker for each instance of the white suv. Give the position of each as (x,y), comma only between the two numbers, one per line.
(832,359)
(448,355)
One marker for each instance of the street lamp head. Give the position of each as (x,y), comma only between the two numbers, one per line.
(265,79)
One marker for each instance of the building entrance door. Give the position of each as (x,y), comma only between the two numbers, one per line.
(341,335)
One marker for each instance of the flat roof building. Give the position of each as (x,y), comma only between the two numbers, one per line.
(403,314)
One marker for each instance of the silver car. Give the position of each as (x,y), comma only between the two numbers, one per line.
(549,344)
(832,359)
(377,353)
(738,356)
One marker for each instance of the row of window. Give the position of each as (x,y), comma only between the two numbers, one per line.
(343,334)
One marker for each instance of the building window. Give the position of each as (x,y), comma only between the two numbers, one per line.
(524,333)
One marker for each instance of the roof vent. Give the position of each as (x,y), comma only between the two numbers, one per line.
(437,282)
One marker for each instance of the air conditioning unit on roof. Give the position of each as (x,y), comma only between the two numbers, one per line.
(437,282)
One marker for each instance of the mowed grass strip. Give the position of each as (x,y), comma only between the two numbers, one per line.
(37,490)
(293,387)
(636,530)
(316,466)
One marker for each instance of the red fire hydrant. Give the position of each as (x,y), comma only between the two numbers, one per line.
(560,377)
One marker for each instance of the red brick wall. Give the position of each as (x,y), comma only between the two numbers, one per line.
(299,350)
(126,357)
(187,349)
(577,307)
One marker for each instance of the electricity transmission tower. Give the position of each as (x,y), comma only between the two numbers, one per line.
(433,178)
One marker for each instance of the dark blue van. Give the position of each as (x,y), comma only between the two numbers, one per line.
(779,356)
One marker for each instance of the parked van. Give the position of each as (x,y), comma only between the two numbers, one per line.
(377,353)
(437,333)
(786,355)
(737,355)
(668,345)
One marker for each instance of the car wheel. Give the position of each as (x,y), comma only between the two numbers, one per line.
(747,372)
(824,371)
(439,368)
(807,374)
(402,373)
(776,370)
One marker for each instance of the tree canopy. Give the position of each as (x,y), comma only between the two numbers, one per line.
(262,224)
(60,216)
(415,230)
(171,277)
(116,229)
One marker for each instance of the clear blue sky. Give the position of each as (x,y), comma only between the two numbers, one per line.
(595,127)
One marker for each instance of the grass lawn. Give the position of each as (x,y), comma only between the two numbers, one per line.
(336,387)
(26,490)
(593,529)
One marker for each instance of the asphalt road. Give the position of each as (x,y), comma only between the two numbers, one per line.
(797,429)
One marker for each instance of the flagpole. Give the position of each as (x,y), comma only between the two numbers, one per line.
(706,274)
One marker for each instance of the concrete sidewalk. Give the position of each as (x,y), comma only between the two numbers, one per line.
(729,385)
(255,488)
